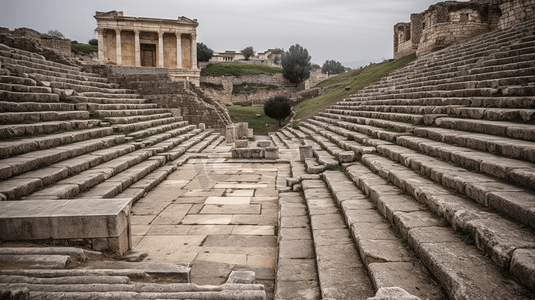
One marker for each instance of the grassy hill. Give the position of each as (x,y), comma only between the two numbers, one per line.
(355,79)
(238,69)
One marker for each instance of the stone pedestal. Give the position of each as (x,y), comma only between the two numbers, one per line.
(241,144)
(202,126)
(305,151)
(250,133)
(271,152)
(263,144)
(346,156)
(103,223)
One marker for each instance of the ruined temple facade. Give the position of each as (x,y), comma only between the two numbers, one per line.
(445,23)
(149,42)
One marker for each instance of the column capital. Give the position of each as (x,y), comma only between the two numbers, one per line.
(117,30)
(137,31)
(160,34)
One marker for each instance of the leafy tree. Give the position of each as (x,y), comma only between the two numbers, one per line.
(204,53)
(278,108)
(248,52)
(332,67)
(55,32)
(93,42)
(314,66)
(296,64)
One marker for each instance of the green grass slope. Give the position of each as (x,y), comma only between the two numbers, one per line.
(248,114)
(355,79)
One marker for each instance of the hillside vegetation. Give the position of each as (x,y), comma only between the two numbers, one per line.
(238,69)
(355,79)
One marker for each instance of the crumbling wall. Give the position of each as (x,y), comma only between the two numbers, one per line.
(445,23)
(180,97)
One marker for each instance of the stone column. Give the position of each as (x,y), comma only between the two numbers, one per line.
(178,50)
(160,49)
(137,49)
(101,46)
(194,51)
(118,47)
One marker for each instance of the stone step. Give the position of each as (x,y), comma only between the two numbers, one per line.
(127,94)
(378,129)
(512,148)
(515,171)
(297,271)
(496,102)
(73,253)
(17,80)
(403,109)
(28,97)
(74,185)
(103,100)
(80,88)
(151,129)
(66,280)
(135,274)
(486,190)
(120,106)
(44,78)
(29,144)
(386,257)
(6,106)
(34,261)
(47,67)
(20,130)
(498,128)
(276,140)
(201,145)
(33,57)
(144,291)
(13,66)
(114,185)
(32,160)
(456,265)
(137,119)
(30,182)
(341,272)
(41,116)
(128,112)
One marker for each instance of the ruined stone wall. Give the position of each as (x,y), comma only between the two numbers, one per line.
(180,97)
(59,44)
(275,79)
(516,11)
(442,35)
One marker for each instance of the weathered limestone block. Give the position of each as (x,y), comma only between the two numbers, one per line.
(263,144)
(247,153)
(65,220)
(346,156)
(305,151)
(241,144)
(387,293)
(271,152)
(202,126)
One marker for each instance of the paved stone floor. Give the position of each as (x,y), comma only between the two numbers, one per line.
(216,214)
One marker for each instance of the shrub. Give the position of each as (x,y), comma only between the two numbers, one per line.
(93,42)
(296,64)
(278,108)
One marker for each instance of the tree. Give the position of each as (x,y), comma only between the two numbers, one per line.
(55,32)
(248,52)
(296,64)
(332,67)
(278,108)
(204,53)
(314,66)
(93,42)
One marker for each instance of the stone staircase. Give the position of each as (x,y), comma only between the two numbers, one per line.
(439,197)
(69,134)
(72,273)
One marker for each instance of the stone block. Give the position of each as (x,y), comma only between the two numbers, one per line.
(346,156)
(263,144)
(271,152)
(103,221)
(241,144)
(305,152)
(247,153)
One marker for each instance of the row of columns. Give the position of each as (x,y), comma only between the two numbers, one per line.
(118,49)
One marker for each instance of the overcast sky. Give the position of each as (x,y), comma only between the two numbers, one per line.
(354,32)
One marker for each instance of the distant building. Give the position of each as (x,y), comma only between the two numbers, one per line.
(149,42)
(268,58)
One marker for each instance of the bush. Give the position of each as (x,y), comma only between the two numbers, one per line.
(55,32)
(332,67)
(93,42)
(278,108)
(83,48)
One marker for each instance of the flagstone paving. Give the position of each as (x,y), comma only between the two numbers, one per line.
(215,213)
